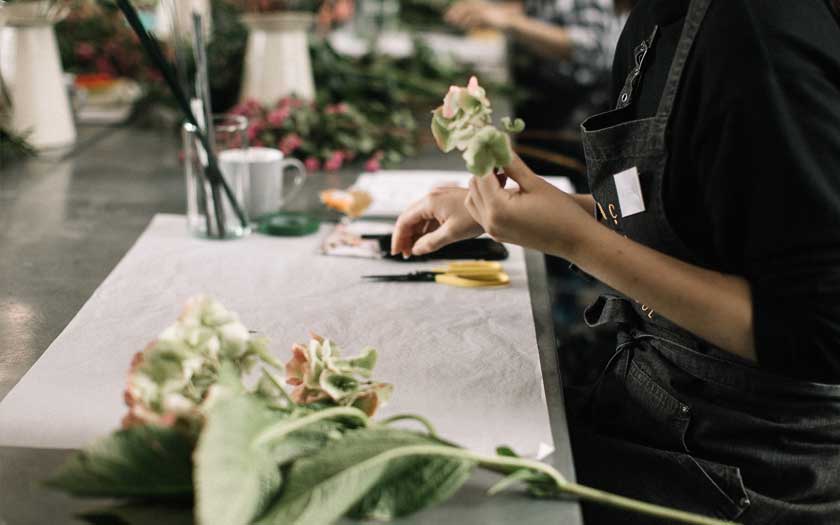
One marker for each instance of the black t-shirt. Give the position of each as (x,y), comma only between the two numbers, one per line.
(753,178)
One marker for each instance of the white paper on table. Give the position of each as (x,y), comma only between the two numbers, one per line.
(394,190)
(465,358)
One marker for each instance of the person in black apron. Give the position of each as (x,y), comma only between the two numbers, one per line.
(698,408)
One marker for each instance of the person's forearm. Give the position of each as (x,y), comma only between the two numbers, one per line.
(712,305)
(547,40)
(585,201)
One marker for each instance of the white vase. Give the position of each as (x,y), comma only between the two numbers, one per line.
(32,69)
(174,17)
(277,62)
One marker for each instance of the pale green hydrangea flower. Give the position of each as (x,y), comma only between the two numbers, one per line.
(464,122)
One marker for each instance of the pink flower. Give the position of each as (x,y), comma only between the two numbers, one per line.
(249,108)
(254,130)
(85,51)
(312,164)
(291,102)
(278,116)
(334,162)
(375,162)
(103,65)
(290,143)
(337,109)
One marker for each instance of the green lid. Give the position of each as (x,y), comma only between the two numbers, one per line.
(288,224)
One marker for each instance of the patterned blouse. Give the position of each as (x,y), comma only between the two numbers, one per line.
(594,29)
(559,94)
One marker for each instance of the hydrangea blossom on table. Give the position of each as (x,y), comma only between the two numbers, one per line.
(319,373)
(174,380)
(464,122)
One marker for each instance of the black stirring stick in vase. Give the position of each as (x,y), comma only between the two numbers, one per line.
(150,45)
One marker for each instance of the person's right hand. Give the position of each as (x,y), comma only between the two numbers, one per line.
(438,219)
(471,14)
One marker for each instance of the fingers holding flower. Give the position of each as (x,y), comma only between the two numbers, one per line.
(536,215)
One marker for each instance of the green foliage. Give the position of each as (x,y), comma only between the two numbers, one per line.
(233,478)
(139,462)
(260,456)
(370,473)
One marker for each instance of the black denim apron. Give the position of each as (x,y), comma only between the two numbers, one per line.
(674,420)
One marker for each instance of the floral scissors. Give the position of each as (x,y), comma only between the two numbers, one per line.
(468,274)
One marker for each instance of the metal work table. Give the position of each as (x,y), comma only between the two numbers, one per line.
(65,222)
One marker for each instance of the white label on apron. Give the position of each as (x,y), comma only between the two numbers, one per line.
(629,190)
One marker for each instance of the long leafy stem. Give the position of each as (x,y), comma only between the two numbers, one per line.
(494,463)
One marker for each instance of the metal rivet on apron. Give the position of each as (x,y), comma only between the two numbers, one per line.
(684,409)
(744,502)
(624,97)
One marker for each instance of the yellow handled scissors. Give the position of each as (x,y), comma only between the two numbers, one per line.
(466,274)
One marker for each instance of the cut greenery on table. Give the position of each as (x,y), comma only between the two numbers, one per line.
(465,122)
(212,436)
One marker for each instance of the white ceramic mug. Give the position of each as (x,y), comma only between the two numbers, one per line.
(266,169)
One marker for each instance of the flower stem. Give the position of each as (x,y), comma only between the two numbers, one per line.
(286,427)
(276,383)
(580,491)
(614,500)
(413,417)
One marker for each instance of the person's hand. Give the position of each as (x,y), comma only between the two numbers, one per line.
(438,219)
(469,14)
(538,215)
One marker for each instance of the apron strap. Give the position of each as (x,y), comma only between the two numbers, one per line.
(693,20)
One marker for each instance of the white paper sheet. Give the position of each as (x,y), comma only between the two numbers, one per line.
(465,358)
(393,191)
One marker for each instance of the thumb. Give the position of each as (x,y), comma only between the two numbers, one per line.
(521,173)
(432,241)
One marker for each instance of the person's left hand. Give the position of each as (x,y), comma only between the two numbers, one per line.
(537,216)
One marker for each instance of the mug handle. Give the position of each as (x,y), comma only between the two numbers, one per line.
(299,178)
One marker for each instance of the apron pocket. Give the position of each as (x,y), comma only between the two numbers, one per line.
(726,480)
(653,475)
(640,409)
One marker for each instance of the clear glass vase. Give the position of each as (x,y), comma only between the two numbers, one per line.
(215,209)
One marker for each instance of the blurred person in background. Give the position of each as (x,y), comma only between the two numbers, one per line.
(561,52)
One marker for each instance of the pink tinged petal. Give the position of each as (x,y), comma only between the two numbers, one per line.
(367,402)
(450,102)
(302,395)
(473,88)
(298,367)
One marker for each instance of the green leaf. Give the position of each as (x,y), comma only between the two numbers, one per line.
(338,386)
(539,484)
(237,471)
(139,462)
(234,480)
(441,131)
(362,365)
(517,126)
(378,473)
